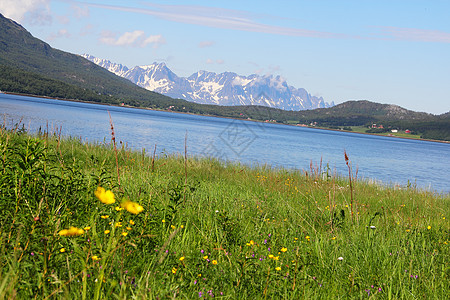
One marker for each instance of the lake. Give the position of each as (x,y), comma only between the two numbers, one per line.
(385,160)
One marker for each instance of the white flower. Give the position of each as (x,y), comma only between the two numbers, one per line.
(373,227)
(340,258)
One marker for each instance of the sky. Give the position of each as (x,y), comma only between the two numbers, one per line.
(394,52)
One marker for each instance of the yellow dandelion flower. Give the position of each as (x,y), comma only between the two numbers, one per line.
(95,258)
(174,270)
(164,221)
(333,238)
(199,275)
(62,250)
(129,228)
(271,256)
(214,262)
(205,257)
(276,258)
(182,258)
(307,237)
(87,228)
(104,217)
(278,268)
(429,227)
(107,231)
(284,249)
(132,207)
(105,196)
(72,231)
(132,222)
(182,226)
(172,226)
(124,233)
(252,242)
(118,208)
(118,224)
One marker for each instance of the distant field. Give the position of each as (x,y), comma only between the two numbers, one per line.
(362,129)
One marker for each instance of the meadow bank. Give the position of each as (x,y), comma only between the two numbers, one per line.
(186,227)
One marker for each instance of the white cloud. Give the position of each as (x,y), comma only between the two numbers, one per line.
(217,18)
(210,61)
(87,29)
(135,38)
(205,44)
(416,35)
(32,11)
(62,33)
(80,11)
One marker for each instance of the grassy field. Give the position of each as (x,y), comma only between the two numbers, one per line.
(189,228)
(362,129)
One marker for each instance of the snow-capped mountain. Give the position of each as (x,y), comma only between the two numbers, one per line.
(211,88)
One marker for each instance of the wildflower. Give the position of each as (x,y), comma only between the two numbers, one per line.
(199,275)
(107,231)
(72,231)
(124,233)
(333,238)
(307,238)
(106,197)
(182,258)
(174,270)
(62,250)
(214,262)
(87,228)
(276,258)
(372,227)
(129,228)
(205,257)
(429,227)
(172,226)
(95,258)
(118,224)
(284,249)
(271,256)
(132,207)
(340,258)
(164,221)
(278,268)
(132,222)
(182,226)
(104,217)
(118,208)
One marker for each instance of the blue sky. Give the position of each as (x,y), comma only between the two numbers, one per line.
(395,52)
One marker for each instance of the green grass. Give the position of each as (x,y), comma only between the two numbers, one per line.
(208,228)
(363,129)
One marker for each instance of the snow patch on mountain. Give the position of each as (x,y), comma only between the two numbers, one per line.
(211,88)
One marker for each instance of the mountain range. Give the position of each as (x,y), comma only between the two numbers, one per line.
(226,88)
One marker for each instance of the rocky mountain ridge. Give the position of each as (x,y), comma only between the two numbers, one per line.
(228,88)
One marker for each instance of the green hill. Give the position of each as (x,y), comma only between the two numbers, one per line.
(21,51)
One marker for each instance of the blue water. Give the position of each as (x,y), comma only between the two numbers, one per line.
(383,159)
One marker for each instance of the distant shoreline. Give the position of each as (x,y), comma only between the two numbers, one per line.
(251,120)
